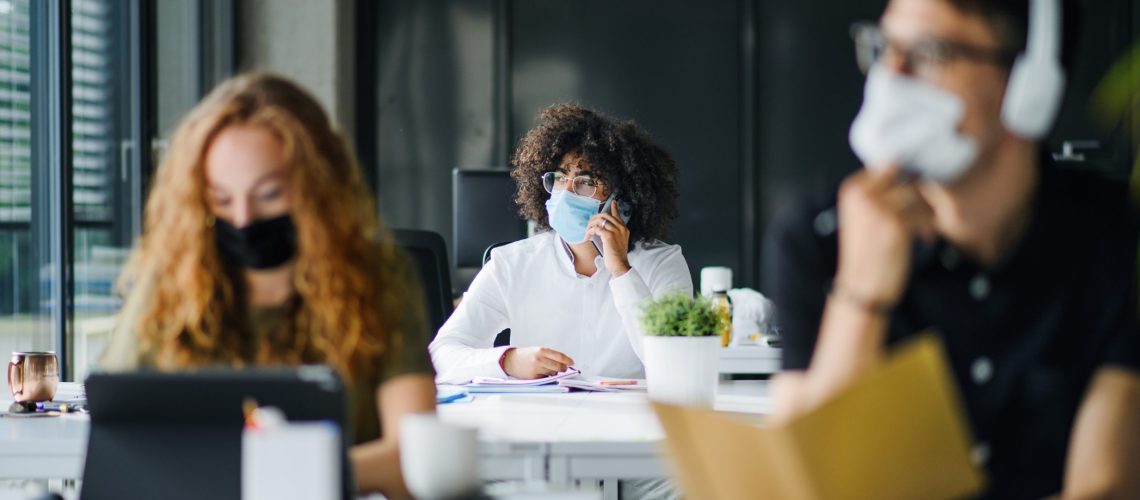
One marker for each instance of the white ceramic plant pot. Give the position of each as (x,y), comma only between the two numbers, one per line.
(682,370)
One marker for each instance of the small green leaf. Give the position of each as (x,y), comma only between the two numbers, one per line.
(680,315)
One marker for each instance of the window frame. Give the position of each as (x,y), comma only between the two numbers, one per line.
(52,178)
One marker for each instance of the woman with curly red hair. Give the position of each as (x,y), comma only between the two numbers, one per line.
(604,194)
(261,247)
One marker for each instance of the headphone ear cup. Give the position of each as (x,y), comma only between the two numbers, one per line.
(1032,97)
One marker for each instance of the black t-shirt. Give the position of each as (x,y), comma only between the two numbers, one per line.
(1024,337)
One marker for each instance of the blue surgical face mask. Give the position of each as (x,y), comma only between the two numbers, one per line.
(568,214)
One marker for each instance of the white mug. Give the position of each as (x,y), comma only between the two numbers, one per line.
(436,458)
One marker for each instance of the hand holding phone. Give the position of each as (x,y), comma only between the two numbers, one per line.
(610,226)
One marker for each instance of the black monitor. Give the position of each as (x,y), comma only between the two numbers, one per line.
(484,213)
(178,435)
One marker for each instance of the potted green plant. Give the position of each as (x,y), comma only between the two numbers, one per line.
(680,348)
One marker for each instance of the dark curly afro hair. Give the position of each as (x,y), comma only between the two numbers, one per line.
(620,155)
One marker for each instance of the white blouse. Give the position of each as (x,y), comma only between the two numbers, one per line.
(531,287)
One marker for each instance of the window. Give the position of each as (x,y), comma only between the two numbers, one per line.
(74,160)
(101,181)
(23,229)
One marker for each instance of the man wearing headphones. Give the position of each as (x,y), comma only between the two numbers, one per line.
(960,224)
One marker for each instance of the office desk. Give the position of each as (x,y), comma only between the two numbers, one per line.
(749,360)
(43,447)
(561,438)
(581,437)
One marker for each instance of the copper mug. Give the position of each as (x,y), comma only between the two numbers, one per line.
(33,376)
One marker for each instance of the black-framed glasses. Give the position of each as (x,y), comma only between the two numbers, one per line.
(583,185)
(924,58)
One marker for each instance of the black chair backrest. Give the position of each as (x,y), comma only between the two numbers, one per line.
(178,435)
(487,252)
(484,211)
(428,253)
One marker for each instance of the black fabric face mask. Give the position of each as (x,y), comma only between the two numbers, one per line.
(263,244)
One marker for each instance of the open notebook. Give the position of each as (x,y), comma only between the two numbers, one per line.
(512,385)
(564,381)
(487,381)
(899,432)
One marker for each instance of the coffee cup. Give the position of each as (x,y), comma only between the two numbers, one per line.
(436,458)
(33,376)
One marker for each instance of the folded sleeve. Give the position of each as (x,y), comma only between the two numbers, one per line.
(668,274)
(1123,346)
(407,351)
(463,348)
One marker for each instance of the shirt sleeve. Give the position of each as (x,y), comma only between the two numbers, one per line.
(1124,342)
(407,351)
(463,348)
(632,289)
(798,265)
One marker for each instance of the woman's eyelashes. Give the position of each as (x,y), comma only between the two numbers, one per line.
(219,199)
(270,194)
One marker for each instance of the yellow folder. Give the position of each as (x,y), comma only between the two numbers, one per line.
(897,433)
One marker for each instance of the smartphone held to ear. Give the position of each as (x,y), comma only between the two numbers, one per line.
(624,208)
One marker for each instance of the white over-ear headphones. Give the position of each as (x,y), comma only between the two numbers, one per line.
(1036,82)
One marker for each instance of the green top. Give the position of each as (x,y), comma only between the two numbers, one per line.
(406,355)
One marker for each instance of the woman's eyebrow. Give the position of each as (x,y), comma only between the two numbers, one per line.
(581,170)
(277,174)
(256,184)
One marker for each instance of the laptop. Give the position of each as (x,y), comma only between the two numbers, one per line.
(178,435)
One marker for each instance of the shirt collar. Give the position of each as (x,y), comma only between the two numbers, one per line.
(567,263)
(1021,252)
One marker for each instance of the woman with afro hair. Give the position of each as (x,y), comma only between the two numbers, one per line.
(603,195)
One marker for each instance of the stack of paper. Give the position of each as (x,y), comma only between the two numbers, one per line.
(503,385)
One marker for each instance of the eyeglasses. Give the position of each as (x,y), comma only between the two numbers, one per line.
(925,58)
(583,185)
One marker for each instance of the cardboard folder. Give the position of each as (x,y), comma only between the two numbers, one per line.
(897,433)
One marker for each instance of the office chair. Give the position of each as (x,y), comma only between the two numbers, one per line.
(487,252)
(504,337)
(483,212)
(428,253)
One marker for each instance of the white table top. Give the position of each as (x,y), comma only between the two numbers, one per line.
(753,359)
(43,447)
(54,447)
(586,416)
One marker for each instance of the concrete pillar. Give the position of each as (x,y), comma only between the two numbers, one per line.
(310,41)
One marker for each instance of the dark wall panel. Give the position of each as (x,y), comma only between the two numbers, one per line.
(433,111)
(753,98)
(808,90)
(1105,33)
(673,67)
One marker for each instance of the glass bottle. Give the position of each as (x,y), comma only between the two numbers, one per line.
(723,309)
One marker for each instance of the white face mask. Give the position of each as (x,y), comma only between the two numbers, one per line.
(914,124)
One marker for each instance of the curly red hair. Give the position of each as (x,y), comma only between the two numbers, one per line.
(350,295)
